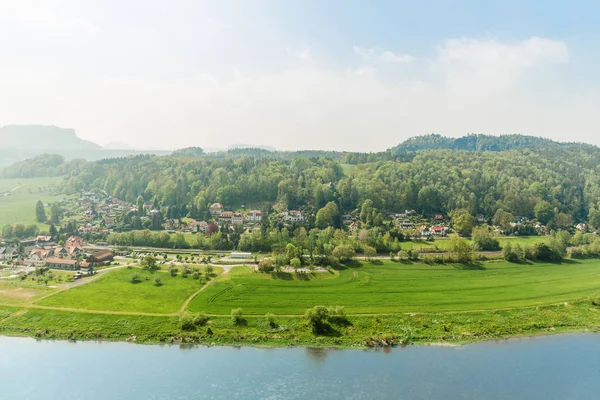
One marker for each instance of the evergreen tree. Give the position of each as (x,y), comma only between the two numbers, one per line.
(40,212)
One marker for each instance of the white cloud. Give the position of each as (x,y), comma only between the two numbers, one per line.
(35,15)
(486,67)
(525,54)
(303,53)
(381,55)
(476,85)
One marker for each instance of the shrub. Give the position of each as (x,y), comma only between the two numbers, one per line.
(135,278)
(201,319)
(596,300)
(295,263)
(483,239)
(266,265)
(316,318)
(543,252)
(157,281)
(237,316)
(270,319)
(337,314)
(187,322)
(579,252)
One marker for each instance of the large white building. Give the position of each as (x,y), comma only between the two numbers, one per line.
(293,216)
(254,216)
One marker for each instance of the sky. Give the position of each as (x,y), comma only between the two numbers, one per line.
(300,74)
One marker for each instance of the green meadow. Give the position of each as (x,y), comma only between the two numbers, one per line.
(19,206)
(443,244)
(392,287)
(115,292)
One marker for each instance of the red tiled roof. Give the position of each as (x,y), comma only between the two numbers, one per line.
(62,261)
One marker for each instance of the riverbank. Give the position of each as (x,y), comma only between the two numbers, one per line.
(357,331)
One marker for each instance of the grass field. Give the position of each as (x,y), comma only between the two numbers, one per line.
(395,287)
(115,292)
(20,205)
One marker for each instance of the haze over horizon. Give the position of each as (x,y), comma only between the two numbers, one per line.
(299,74)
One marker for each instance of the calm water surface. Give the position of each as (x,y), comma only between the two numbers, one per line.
(556,367)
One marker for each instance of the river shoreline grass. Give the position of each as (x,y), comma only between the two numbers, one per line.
(358,332)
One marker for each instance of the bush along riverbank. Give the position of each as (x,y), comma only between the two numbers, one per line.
(321,326)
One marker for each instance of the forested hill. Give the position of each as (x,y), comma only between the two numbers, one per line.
(561,179)
(42,166)
(476,143)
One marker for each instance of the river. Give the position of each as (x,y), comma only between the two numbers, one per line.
(551,367)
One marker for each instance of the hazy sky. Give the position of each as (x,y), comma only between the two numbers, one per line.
(348,75)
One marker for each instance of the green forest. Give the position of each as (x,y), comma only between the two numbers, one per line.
(562,178)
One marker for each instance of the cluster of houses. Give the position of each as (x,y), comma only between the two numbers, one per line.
(248,219)
(100,212)
(43,252)
(408,220)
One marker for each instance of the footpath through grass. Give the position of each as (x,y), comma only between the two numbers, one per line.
(115,292)
(403,288)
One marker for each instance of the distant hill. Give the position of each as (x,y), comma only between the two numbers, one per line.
(188,152)
(249,146)
(475,143)
(21,142)
(42,137)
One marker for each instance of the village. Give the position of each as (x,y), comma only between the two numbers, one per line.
(91,216)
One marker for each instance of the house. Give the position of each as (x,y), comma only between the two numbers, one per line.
(68,251)
(439,217)
(28,242)
(43,239)
(7,253)
(293,216)
(480,218)
(425,231)
(171,224)
(75,241)
(352,227)
(254,216)
(410,212)
(101,257)
(41,253)
(439,230)
(61,263)
(581,227)
(215,209)
(237,218)
(199,226)
(225,217)
(406,224)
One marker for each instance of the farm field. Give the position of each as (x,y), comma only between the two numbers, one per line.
(403,288)
(25,192)
(115,292)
